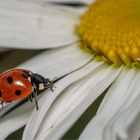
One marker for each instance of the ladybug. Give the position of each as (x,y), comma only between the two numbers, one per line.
(16,84)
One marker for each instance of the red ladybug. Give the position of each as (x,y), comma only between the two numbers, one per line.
(18,84)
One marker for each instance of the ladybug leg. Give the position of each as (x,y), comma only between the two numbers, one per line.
(52,86)
(30,97)
(2,103)
(52,89)
(35,96)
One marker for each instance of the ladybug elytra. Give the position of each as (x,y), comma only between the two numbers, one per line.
(18,84)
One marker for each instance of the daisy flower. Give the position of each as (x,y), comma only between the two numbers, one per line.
(96,45)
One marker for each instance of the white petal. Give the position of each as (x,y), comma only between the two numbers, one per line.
(35,26)
(58,62)
(129,122)
(126,118)
(109,106)
(74,101)
(48,99)
(126,124)
(65,1)
(71,11)
(15,120)
(74,11)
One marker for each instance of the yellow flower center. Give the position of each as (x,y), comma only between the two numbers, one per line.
(111,29)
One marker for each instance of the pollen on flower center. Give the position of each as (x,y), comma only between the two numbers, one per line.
(111,29)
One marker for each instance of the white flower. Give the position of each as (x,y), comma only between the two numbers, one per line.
(50,24)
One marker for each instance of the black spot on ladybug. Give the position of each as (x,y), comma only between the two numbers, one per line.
(18,92)
(25,74)
(9,80)
(0,93)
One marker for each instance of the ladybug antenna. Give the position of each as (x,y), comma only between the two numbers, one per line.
(35,96)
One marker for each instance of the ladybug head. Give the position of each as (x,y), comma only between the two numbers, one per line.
(48,83)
